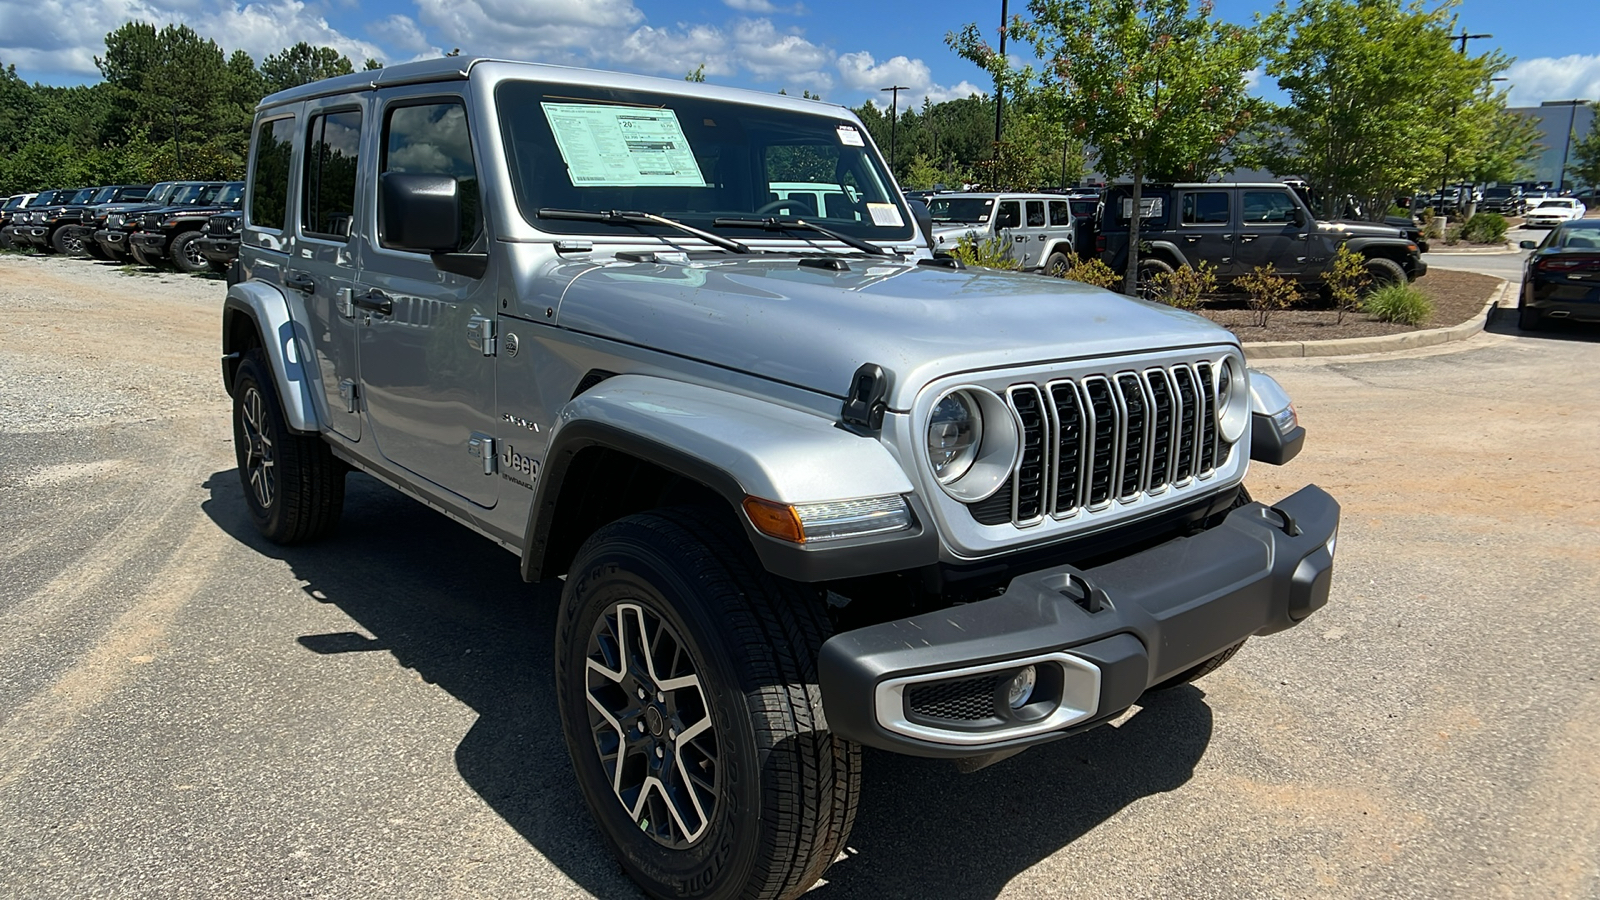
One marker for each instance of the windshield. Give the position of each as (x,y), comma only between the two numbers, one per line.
(13,203)
(1551,204)
(79,197)
(961,209)
(231,194)
(1496,193)
(161,193)
(194,194)
(103,195)
(1580,238)
(692,159)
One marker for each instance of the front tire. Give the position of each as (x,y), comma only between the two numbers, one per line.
(1529,319)
(64,245)
(186,253)
(292,483)
(705,761)
(1382,273)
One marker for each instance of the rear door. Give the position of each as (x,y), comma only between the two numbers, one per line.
(322,267)
(1205,229)
(428,384)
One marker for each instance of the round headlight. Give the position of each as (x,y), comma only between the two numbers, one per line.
(1233,401)
(955,431)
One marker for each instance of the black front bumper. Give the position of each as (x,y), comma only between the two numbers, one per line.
(218,250)
(113,241)
(151,245)
(1160,612)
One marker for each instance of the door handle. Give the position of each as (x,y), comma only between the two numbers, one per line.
(1247,238)
(375,301)
(300,281)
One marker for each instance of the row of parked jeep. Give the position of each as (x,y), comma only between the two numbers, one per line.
(190,225)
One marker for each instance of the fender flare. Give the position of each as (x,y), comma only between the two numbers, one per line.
(1169,250)
(284,342)
(1400,246)
(737,446)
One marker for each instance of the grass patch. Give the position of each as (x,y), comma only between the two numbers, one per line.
(1401,304)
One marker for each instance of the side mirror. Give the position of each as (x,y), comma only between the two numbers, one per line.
(1528,245)
(924,219)
(420,213)
(1297,217)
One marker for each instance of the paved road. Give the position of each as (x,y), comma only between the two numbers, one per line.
(188,712)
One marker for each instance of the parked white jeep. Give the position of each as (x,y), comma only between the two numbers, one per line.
(1036,229)
(807,487)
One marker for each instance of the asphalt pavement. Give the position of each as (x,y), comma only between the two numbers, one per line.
(188,711)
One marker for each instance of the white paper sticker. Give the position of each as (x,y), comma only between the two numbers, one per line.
(885,215)
(622,146)
(1149,207)
(850,137)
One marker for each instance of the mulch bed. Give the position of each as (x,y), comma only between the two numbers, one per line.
(1456,296)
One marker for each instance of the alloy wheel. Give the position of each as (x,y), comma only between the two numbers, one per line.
(651,724)
(259,459)
(192,254)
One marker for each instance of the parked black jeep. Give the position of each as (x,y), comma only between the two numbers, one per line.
(70,233)
(219,240)
(42,222)
(111,231)
(1237,227)
(171,233)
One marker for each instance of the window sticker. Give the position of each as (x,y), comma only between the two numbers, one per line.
(850,137)
(885,215)
(622,146)
(1149,207)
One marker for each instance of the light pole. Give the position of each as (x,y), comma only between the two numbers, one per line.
(1572,121)
(894,117)
(175,157)
(1444,177)
(1000,92)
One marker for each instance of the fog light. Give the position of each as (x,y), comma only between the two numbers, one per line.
(1021,688)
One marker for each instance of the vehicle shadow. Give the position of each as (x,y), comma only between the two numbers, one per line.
(473,628)
(1504,321)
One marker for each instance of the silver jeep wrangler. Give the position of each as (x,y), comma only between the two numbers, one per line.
(807,487)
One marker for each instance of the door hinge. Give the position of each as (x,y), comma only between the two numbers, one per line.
(348,391)
(347,306)
(480,335)
(482,446)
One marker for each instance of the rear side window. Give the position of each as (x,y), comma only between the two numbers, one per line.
(269,174)
(1035,213)
(432,139)
(1205,208)
(332,147)
(1060,213)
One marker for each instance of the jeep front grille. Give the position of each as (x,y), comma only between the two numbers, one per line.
(1089,441)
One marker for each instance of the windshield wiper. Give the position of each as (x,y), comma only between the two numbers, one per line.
(775,224)
(634,217)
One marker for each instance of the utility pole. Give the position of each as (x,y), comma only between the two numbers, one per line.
(894,117)
(1444,177)
(1463,37)
(1000,92)
(1572,121)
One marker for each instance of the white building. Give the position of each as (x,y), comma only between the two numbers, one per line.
(1560,123)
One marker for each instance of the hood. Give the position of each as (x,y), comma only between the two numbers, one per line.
(814,327)
(1353,228)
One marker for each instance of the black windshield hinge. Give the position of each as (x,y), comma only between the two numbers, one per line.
(866,402)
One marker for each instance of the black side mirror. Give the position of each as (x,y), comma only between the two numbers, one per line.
(420,213)
(1528,245)
(923,217)
(1297,217)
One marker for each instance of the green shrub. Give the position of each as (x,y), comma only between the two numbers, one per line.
(1184,286)
(1399,303)
(990,253)
(1268,292)
(1346,279)
(1485,228)
(1398,210)
(1090,271)
(1452,235)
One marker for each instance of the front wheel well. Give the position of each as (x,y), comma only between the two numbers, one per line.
(601,485)
(240,335)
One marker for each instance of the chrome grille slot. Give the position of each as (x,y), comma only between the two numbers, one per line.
(1188,411)
(1130,393)
(1163,422)
(1070,432)
(1103,430)
(1028,480)
(1208,421)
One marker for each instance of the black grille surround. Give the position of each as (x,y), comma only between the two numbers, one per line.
(1100,439)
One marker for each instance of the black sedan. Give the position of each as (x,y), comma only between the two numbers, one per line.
(1561,278)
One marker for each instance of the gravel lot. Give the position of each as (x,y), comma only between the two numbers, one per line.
(188,712)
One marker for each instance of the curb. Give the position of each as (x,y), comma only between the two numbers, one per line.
(1473,251)
(1387,343)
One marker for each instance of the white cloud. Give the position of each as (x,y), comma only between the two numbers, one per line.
(765,7)
(401,33)
(863,73)
(1534,81)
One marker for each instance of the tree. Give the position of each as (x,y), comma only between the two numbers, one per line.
(696,75)
(1381,101)
(371,64)
(1584,164)
(1156,87)
(302,64)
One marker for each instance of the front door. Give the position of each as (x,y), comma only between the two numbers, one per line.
(1267,233)
(1007,224)
(322,263)
(429,385)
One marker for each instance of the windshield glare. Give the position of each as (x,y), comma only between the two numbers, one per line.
(103,195)
(692,159)
(961,209)
(80,197)
(195,194)
(231,194)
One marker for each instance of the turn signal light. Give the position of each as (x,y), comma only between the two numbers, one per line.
(777,520)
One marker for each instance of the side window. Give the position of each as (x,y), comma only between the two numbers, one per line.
(1035,213)
(332,145)
(1060,213)
(1205,208)
(1266,206)
(432,139)
(1010,215)
(269,174)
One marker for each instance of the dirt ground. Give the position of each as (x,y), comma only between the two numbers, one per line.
(1456,296)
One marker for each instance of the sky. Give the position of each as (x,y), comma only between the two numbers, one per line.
(844,50)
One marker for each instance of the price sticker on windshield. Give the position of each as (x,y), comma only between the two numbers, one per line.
(850,137)
(885,215)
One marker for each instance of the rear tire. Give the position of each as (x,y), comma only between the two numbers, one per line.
(292,482)
(1148,270)
(186,255)
(1057,264)
(762,798)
